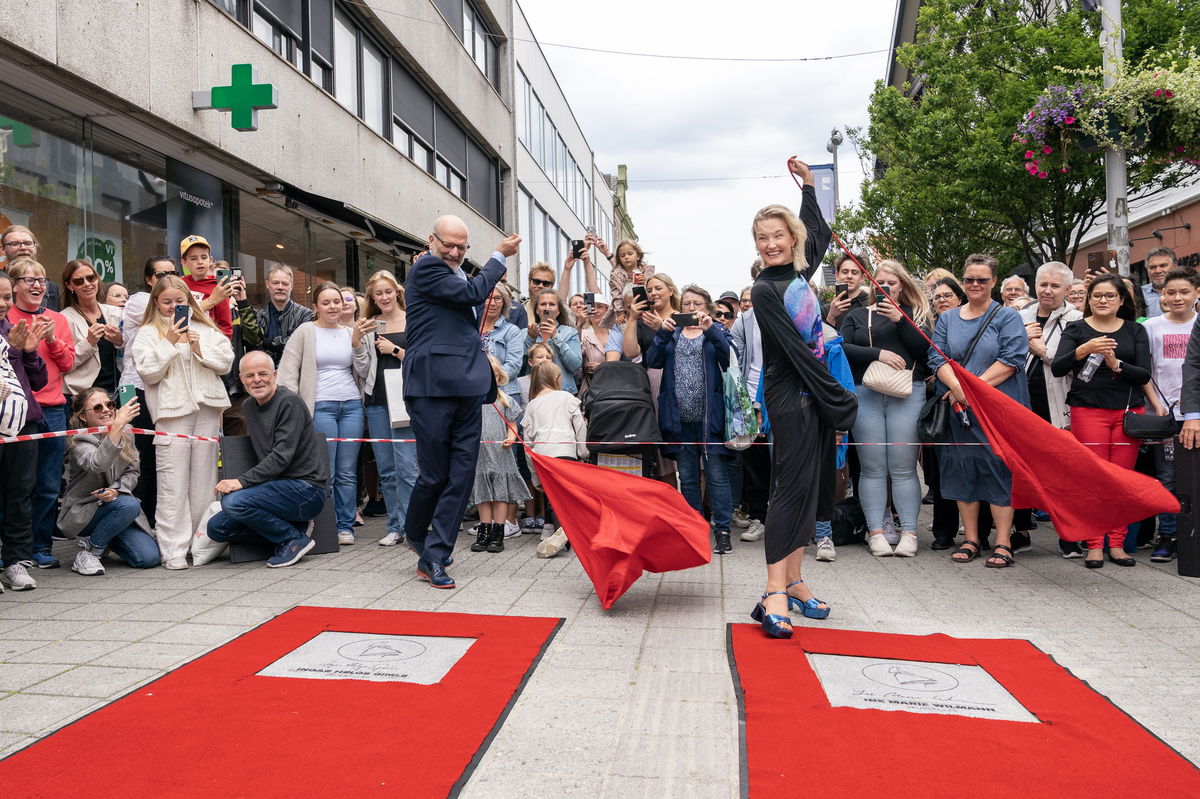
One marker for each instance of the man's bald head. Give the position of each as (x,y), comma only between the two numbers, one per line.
(257,373)
(449,239)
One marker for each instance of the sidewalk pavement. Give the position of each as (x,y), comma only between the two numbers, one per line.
(634,701)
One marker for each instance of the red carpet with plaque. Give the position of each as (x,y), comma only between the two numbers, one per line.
(214,727)
(797,744)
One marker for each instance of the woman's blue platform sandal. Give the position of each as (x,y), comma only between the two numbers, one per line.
(810,608)
(772,623)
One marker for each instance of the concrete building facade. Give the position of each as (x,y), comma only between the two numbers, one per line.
(387,114)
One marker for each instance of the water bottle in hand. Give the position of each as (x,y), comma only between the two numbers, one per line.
(1089,369)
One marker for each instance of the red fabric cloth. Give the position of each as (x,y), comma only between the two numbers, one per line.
(621,525)
(1102,429)
(1085,495)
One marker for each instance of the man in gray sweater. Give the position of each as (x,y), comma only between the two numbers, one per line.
(277,498)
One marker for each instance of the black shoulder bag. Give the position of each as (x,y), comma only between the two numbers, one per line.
(931,424)
(1149,425)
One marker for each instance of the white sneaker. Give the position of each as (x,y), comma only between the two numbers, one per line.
(87,564)
(740,519)
(175,564)
(825,550)
(880,548)
(511,529)
(345,537)
(549,547)
(907,548)
(17,577)
(389,540)
(754,532)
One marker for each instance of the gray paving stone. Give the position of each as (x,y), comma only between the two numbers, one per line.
(102,611)
(151,655)
(197,634)
(19,676)
(32,713)
(496,784)
(119,630)
(94,681)
(67,652)
(234,615)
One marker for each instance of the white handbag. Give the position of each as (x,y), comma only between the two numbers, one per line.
(883,378)
(393,381)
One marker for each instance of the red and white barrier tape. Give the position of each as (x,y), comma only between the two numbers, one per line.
(145,432)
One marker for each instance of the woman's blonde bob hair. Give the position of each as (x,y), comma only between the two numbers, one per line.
(784,215)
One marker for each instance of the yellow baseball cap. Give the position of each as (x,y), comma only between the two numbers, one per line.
(192,241)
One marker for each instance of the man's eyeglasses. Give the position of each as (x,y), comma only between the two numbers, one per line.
(459,247)
(978,281)
(30,244)
(33,281)
(99,406)
(79,281)
(542,284)
(161,275)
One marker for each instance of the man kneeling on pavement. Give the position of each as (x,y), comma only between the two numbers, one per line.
(277,498)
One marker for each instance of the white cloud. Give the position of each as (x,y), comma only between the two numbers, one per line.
(685,119)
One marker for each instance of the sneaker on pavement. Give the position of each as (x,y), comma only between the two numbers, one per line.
(1164,552)
(826,551)
(290,552)
(1021,542)
(754,532)
(391,539)
(44,560)
(345,537)
(17,576)
(511,529)
(740,519)
(87,564)
(551,546)
(1070,549)
(721,543)
(907,548)
(879,546)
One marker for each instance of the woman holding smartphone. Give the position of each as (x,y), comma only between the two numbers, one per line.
(181,354)
(692,353)
(396,461)
(555,330)
(96,328)
(326,363)
(98,503)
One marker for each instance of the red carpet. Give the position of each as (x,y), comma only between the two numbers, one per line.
(213,728)
(797,744)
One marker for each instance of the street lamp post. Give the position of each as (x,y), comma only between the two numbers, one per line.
(1115,178)
(835,141)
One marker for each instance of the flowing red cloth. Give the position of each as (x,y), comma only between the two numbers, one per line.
(621,525)
(1084,494)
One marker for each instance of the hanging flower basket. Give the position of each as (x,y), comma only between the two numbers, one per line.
(1051,126)
(1138,138)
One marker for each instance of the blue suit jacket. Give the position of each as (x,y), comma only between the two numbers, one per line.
(444,357)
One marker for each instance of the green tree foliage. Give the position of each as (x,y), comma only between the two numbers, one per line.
(949,178)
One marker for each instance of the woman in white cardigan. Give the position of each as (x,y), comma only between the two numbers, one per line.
(96,328)
(326,363)
(181,364)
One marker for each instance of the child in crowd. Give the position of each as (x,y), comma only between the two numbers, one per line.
(554,427)
(498,484)
(534,520)
(1169,336)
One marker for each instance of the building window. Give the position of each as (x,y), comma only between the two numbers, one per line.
(373,65)
(480,43)
(345,62)
(276,36)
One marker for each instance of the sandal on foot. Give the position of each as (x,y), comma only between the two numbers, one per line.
(1005,560)
(811,608)
(971,554)
(772,623)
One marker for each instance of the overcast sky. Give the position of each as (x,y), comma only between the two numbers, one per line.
(688,119)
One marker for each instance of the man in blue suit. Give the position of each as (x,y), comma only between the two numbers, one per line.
(447,378)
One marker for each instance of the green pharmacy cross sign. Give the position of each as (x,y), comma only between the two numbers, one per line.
(242,98)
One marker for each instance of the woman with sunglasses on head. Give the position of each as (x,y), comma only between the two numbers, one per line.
(891,331)
(181,356)
(1109,355)
(524,315)
(155,268)
(96,328)
(98,503)
(994,339)
(552,326)
(56,345)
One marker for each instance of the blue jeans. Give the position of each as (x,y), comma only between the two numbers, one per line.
(277,510)
(397,464)
(1165,471)
(884,419)
(715,474)
(113,527)
(344,419)
(733,465)
(50,453)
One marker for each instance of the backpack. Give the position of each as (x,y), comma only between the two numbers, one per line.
(620,409)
